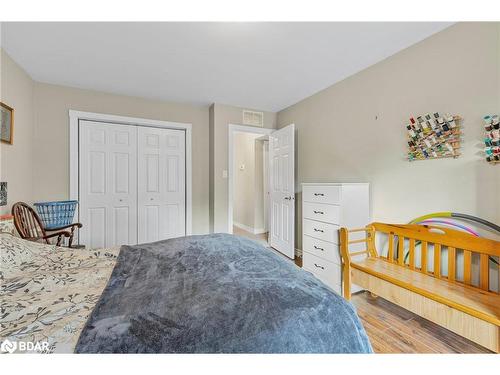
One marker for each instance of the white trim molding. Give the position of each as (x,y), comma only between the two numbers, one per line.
(76,116)
(246,228)
(249,229)
(232,129)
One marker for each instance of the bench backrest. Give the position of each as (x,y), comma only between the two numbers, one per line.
(404,239)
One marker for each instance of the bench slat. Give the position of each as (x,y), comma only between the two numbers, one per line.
(437,260)
(467,266)
(484,274)
(423,254)
(412,253)
(401,250)
(390,254)
(451,263)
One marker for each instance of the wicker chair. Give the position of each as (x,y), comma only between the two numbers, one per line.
(30,227)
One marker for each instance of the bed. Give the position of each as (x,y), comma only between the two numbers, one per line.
(213,293)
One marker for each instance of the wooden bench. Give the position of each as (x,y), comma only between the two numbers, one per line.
(418,271)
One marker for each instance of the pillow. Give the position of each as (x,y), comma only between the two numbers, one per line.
(7,226)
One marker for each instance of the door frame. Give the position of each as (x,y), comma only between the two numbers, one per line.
(232,129)
(74,120)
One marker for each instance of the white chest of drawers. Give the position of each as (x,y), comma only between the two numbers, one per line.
(325,208)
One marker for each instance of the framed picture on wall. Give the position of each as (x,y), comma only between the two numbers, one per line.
(6,123)
(3,193)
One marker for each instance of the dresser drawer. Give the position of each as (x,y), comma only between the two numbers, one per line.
(327,272)
(321,194)
(323,231)
(322,212)
(326,250)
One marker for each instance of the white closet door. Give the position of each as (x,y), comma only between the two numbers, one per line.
(161,184)
(107,184)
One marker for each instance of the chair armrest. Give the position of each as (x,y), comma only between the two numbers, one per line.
(78,225)
(56,234)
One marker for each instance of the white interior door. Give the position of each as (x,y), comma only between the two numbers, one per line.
(161,184)
(282,190)
(107,184)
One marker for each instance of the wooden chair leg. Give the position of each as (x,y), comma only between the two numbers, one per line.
(70,239)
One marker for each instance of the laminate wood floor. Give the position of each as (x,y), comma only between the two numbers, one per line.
(392,329)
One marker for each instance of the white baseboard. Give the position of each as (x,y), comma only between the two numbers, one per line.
(243,226)
(249,229)
(260,231)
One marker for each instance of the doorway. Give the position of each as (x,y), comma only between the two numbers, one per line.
(275,214)
(248,182)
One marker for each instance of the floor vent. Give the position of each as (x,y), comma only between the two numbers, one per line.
(253,118)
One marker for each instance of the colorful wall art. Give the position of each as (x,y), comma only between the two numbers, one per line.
(433,137)
(492,139)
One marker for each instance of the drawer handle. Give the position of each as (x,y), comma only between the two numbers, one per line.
(319,212)
(317,265)
(319,194)
(319,248)
(319,230)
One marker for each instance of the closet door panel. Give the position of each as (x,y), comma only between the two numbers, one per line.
(175,185)
(108,184)
(152,223)
(172,223)
(161,183)
(121,165)
(96,223)
(149,184)
(121,222)
(97,173)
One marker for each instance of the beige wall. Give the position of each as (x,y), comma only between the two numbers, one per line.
(354,130)
(260,196)
(51,165)
(16,90)
(223,115)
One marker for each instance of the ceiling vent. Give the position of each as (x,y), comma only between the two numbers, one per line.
(253,118)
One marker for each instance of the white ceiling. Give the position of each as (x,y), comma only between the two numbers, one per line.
(268,66)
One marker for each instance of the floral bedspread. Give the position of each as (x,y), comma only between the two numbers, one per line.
(47,293)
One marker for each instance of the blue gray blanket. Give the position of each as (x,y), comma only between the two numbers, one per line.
(217,294)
